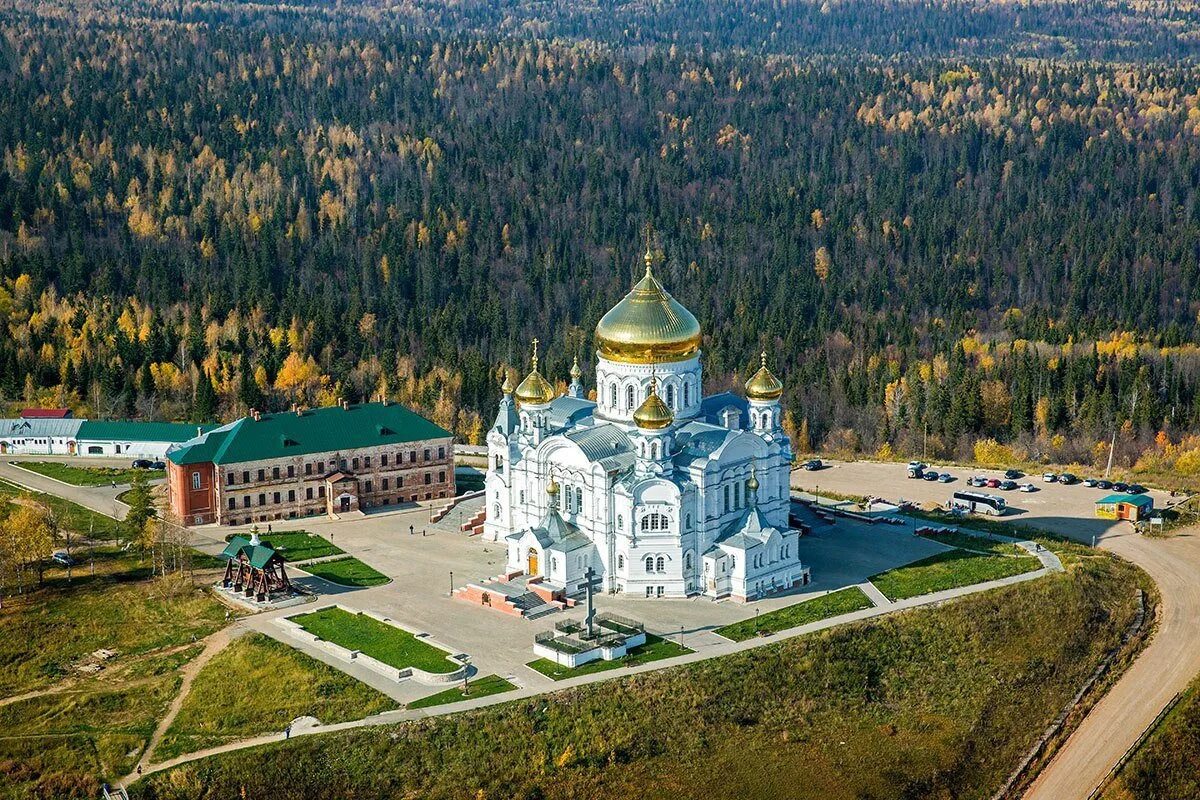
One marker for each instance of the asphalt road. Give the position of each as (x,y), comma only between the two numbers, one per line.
(1165,667)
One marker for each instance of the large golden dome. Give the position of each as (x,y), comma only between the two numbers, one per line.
(648,326)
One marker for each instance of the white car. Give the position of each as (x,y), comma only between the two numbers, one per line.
(1050,477)
(1027,487)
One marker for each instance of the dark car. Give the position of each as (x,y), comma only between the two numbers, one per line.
(1119,486)
(1104,485)
(813,463)
(1008,486)
(1013,474)
(930,476)
(142,463)
(1067,478)
(158,465)
(1136,488)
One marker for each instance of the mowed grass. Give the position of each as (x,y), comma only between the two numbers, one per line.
(1167,765)
(655,649)
(88,476)
(834,604)
(936,702)
(391,645)
(296,545)
(479,687)
(948,570)
(72,517)
(977,542)
(257,685)
(347,572)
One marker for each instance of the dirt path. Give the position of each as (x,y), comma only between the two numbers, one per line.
(212,645)
(1165,667)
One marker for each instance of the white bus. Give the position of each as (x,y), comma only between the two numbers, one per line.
(979,503)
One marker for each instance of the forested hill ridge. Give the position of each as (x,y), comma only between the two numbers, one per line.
(211,207)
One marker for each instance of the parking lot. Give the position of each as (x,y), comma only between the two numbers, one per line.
(1066,510)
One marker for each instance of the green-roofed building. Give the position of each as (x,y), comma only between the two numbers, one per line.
(1133,507)
(337,460)
(119,437)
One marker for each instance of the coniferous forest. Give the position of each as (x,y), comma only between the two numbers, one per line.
(944,222)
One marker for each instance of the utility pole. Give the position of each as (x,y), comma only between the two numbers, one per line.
(1111,446)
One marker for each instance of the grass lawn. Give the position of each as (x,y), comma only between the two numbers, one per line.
(654,649)
(74,517)
(969,541)
(1167,765)
(347,572)
(934,703)
(391,645)
(480,687)
(948,570)
(257,685)
(296,545)
(843,601)
(88,476)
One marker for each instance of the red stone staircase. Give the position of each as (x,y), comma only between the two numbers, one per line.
(474,525)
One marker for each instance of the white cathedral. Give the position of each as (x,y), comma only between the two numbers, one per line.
(662,491)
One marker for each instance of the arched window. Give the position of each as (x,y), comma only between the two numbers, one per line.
(655,522)
(661,564)
(687,561)
(612,394)
(737,495)
(496,511)
(687,386)
(654,450)
(629,398)
(688,519)
(649,563)
(578,499)
(727,498)
(671,397)
(499,462)
(620,523)
(554,564)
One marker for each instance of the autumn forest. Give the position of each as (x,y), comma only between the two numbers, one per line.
(940,233)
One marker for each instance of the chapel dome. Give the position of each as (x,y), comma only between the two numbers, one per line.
(648,326)
(763,385)
(534,390)
(653,413)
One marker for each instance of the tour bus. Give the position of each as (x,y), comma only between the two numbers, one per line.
(979,503)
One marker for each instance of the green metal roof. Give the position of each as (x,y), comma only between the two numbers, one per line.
(318,430)
(1133,499)
(129,430)
(258,555)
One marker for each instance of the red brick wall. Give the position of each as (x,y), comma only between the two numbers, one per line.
(187,503)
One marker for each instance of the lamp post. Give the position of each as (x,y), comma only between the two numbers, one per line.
(452,583)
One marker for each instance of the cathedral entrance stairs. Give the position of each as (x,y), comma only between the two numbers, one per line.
(474,524)
(508,598)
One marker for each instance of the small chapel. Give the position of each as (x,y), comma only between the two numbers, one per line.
(664,492)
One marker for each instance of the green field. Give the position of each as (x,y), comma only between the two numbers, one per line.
(479,687)
(843,601)
(934,703)
(257,685)
(389,644)
(654,649)
(88,476)
(977,542)
(296,545)
(1167,765)
(948,570)
(73,517)
(347,572)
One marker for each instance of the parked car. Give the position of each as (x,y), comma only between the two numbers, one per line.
(977,480)
(931,475)
(1049,477)
(62,557)
(1104,485)
(1119,486)
(1013,474)
(1008,486)
(1027,487)
(945,477)
(158,465)
(142,463)
(1136,488)
(993,483)
(1089,481)
(1068,478)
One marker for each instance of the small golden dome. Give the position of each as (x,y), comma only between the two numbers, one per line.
(752,484)
(653,413)
(534,390)
(648,326)
(763,385)
(552,489)
(506,387)
(576,372)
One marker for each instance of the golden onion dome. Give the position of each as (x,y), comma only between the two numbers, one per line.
(763,385)
(576,372)
(534,390)
(506,387)
(648,326)
(653,413)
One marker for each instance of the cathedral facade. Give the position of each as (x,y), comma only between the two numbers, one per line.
(662,491)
